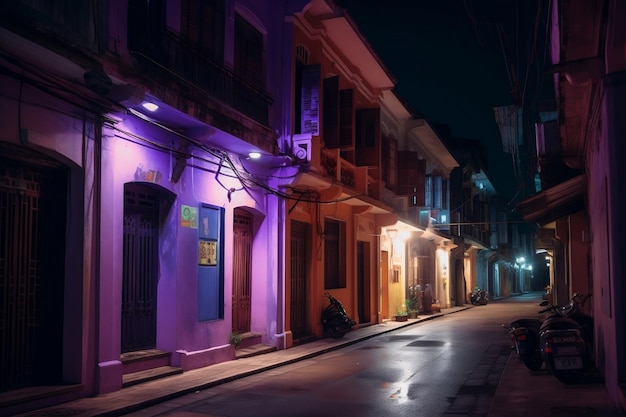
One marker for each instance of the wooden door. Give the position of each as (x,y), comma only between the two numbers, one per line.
(363,281)
(299,278)
(140,268)
(242,266)
(384,278)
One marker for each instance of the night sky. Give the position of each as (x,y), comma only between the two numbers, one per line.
(455,60)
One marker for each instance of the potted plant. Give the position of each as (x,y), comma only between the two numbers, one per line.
(401,314)
(413,301)
(412,309)
(235,339)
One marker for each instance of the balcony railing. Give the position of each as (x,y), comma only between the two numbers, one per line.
(194,69)
(364,180)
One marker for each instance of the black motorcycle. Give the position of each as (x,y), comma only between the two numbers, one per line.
(525,336)
(479,297)
(566,340)
(335,320)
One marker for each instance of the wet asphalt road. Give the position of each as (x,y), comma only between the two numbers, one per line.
(418,370)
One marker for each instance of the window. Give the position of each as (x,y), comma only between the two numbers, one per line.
(396,274)
(307,117)
(429,192)
(434,192)
(334,254)
(437,192)
(346,105)
(75,21)
(367,128)
(202,25)
(249,52)
(389,161)
(411,178)
(331,112)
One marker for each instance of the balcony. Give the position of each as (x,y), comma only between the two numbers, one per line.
(195,71)
(364,180)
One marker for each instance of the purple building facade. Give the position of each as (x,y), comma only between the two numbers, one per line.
(137,238)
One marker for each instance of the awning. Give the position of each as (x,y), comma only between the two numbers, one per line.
(555,202)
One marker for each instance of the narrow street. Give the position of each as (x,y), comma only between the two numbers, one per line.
(421,367)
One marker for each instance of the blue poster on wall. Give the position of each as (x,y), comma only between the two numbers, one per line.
(210,263)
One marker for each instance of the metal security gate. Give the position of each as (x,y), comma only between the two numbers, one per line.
(32,265)
(299,281)
(242,280)
(141,268)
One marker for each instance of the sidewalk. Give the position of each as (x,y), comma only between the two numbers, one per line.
(500,386)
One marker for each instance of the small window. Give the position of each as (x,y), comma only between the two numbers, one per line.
(334,254)
(396,274)
(249,52)
(202,25)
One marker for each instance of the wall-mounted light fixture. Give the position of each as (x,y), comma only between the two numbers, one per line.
(254,155)
(392,233)
(150,106)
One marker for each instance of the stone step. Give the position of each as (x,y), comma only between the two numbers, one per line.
(135,378)
(253,350)
(142,360)
(248,339)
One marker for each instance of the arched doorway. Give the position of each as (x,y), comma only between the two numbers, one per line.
(33,213)
(242,267)
(140,267)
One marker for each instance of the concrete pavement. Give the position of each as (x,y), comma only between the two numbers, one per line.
(499,386)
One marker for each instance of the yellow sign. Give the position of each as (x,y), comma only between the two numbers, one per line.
(207,252)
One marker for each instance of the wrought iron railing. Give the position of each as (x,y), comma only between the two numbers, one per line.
(364,180)
(195,69)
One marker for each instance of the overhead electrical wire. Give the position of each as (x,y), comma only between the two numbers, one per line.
(59,87)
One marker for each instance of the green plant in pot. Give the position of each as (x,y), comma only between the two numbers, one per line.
(412,307)
(401,313)
(235,339)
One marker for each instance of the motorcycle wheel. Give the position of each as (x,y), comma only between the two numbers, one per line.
(336,332)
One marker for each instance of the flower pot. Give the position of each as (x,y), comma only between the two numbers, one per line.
(401,318)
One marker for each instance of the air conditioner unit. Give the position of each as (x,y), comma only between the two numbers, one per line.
(302,146)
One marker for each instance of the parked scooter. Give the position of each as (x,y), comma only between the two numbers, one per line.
(566,340)
(525,336)
(335,320)
(479,297)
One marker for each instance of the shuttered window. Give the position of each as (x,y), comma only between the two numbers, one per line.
(437,192)
(428,201)
(308,112)
(249,52)
(346,117)
(334,254)
(389,155)
(419,192)
(202,25)
(411,178)
(367,137)
(331,112)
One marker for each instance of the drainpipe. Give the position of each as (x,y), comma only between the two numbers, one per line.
(281,269)
(96,236)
